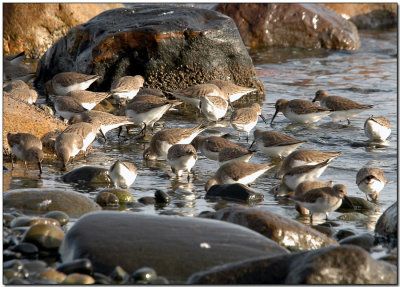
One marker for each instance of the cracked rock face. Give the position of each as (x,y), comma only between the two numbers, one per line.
(171,47)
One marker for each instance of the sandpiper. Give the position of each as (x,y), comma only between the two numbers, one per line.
(275,144)
(211,146)
(151,92)
(12,69)
(86,130)
(123,174)
(102,120)
(126,88)
(26,147)
(371,181)
(182,157)
(236,153)
(300,111)
(304,157)
(305,187)
(67,146)
(164,139)
(323,200)
(299,174)
(192,94)
(238,172)
(147,110)
(18,89)
(245,119)
(377,128)
(342,108)
(233,92)
(67,107)
(213,107)
(88,99)
(65,82)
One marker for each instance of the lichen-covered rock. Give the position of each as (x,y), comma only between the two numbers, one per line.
(367,15)
(294,25)
(285,231)
(172,47)
(174,246)
(34,27)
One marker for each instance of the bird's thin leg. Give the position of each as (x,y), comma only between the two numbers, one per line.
(348,122)
(26,167)
(326,216)
(119,131)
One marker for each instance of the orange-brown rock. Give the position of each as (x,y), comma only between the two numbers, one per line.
(291,25)
(367,15)
(21,117)
(34,27)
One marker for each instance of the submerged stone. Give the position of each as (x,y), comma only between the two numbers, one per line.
(233,192)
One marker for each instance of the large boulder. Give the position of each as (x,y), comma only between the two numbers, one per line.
(330,265)
(292,25)
(21,117)
(367,15)
(174,246)
(172,47)
(386,226)
(285,231)
(34,27)
(39,201)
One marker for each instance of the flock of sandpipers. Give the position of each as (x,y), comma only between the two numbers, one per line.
(179,146)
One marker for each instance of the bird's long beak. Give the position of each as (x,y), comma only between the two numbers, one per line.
(349,202)
(252,144)
(40,167)
(313,100)
(264,119)
(276,112)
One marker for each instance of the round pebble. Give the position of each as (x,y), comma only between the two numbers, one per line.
(102,279)
(147,200)
(13,264)
(161,196)
(78,279)
(28,250)
(60,216)
(123,195)
(82,266)
(105,198)
(53,274)
(144,274)
(44,236)
(343,233)
(119,275)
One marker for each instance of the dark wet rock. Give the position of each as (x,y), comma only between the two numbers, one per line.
(41,201)
(147,200)
(34,267)
(29,221)
(87,175)
(10,255)
(12,273)
(285,231)
(291,25)
(327,230)
(78,279)
(144,274)
(328,265)
(161,197)
(18,281)
(13,264)
(7,219)
(367,15)
(28,250)
(120,275)
(44,236)
(386,226)
(105,198)
(160,280)
(174,246)
(344,233)
(52,274)
(364,240)
(172,47)
(124,196)
(83,266)
(359,204)
(58,215)
(233,192)
(102,279)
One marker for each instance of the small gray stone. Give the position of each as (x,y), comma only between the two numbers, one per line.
(58,215)
(144,274)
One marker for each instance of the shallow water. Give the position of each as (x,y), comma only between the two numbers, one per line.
(368,75)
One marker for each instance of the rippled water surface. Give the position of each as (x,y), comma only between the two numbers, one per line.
(368,75)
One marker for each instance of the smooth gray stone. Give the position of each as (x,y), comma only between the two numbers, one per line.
(233,192)
(364,240)
(174,246)
(387,225)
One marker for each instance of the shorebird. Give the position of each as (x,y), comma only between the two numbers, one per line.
(18,89)
(323,200)
(371,181)
(236,153)
(123,174)
(245,119)
(192,94)
(233,92)
(275,144)
(126,88)
(304,157)
(164,139)
(342,108)
(238,172)
(26,147)
(182,157)
(305,187)
(67,107)
(67,146)
(102,120)
(88,99)
(377,128)
(300,111)
(65,82)
(12,69)
(213,107)
(211,146)
(86,130)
